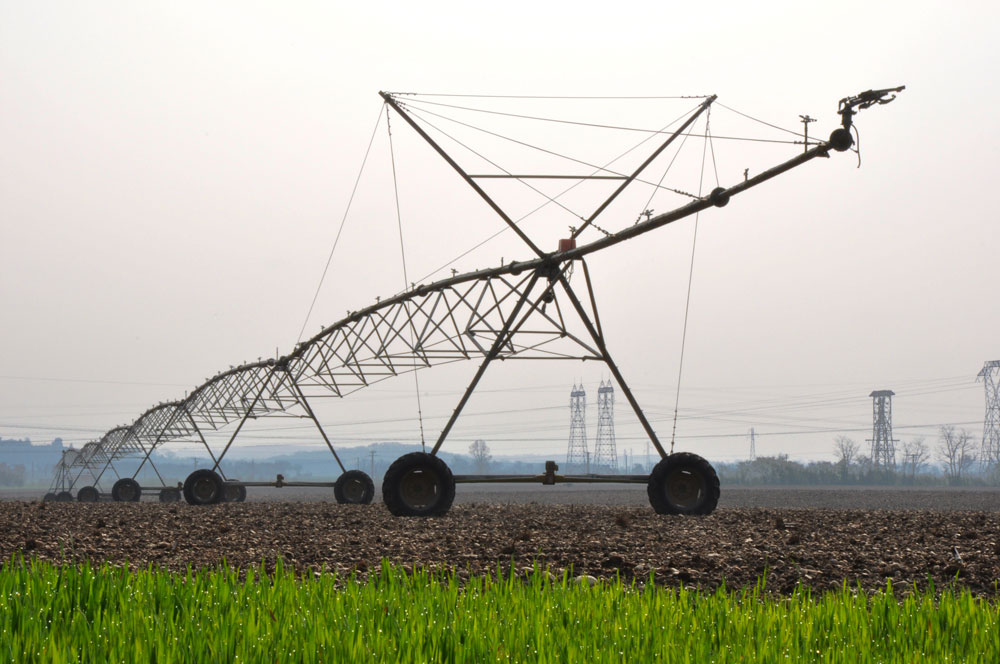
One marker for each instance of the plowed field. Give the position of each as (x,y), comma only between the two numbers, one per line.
(818,547)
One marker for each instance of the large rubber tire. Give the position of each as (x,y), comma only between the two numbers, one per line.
(88,494)
(64,497)
(683,483)
(50,497)
(418,484)
(170,495)
(126,490)
(234,493)
(354,487)
(204,487)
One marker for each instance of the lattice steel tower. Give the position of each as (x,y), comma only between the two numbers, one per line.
(990,376)
(883,451)
(605,453)
(576,453)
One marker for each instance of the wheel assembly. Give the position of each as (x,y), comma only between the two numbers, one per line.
(354,487)
(683,483)
(234,493)
(64,497)
(204,487)
(170,495)
(126,490)
(49,497)
(418,484)
(88,494)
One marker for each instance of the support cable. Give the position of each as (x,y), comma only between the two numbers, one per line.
(750,117)
(646,208)
(340,230)
(493,163)
(430,94)
(643,130)
(560,194)
(598,169)
(535,117)
(406,280)
(711,147)
(687,301)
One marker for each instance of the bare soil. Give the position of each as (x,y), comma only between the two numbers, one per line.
(818,547)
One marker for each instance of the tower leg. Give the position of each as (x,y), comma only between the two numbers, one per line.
(107,465)
(602,347)
(312,416)
(204,442)
(243,421)
(149,452)
(146,458)
(501,339)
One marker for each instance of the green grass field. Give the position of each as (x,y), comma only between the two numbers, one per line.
(69,613)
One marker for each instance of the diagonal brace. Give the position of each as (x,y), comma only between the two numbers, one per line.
(490,356)
(465,176)
(309,411)
(599,340)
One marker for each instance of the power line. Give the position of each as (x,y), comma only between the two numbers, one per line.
(93,380)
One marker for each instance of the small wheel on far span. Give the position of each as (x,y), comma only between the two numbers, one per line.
(126,490)
(64,497)
(49,497)
(683,483)
(203,487)
(170,495)
(88,494)
(354,487)
(418,484)
(234,493)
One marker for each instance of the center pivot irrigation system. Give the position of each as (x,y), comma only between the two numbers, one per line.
(518,310)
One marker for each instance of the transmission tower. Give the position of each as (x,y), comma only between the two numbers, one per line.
(883,451)
(577,453)
(605,454)
(753,444)
(990,375)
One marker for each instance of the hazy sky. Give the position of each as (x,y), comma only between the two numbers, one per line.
(173,175)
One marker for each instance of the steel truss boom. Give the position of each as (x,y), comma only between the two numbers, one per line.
(514,311)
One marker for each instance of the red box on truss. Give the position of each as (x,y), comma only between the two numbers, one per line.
(567,245)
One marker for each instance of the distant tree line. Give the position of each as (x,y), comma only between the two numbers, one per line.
(11,475)
(953,461)
(174,469)
(34,461)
